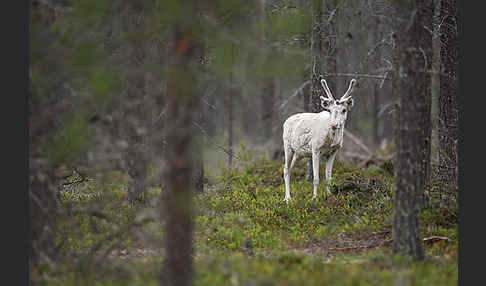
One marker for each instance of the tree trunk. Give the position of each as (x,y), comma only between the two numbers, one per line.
(229,109)
(43,211)
(448,108)
(329,45)
(210,116)
(323,58)
(376,122)
(268,102)
(136,168)
(413,130)
(182,101)
(424,41)
(304,5)
(43,207)
(317,56)
(375,36)
(229,124)
(316,63)
(132,125)
(434,110)
(267,99)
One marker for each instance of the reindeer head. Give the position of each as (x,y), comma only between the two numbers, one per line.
(338,108)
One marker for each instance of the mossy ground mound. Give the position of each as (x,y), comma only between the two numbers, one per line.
(245,234)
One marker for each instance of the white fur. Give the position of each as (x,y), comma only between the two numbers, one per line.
(312,134)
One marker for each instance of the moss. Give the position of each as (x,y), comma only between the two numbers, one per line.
(290,243)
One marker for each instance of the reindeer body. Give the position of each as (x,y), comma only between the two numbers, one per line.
(316,135)
(305,132)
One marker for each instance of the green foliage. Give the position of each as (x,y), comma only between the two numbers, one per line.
(288,23)
(36,46)
(95,217)
(231,11)
(104,84)
(290,242)
(251,203)
(227,55)
(72,142)
(279,63)
(284,268)
(91,12)
(293,268)
(241,41)
(85,54)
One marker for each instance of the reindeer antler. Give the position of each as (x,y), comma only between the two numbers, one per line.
(326,88)
(347,95)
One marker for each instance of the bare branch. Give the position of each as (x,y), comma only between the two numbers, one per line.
(226,151)
(77,181)
(208,104)
(357,141)
(435,238)
(294,94)
(119,233)
(213,143)
(333,12)
(36,200)
(358,75)
(387,241)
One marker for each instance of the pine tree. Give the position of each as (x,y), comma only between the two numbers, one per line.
(448,108)
(412,80)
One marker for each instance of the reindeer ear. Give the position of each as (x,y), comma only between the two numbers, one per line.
(325,102)
(349,103)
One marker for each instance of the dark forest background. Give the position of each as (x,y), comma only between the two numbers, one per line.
(155,142)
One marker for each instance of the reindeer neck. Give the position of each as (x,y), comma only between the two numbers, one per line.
(337,136)
(324,115)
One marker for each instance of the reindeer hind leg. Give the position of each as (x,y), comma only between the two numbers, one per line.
(288,153)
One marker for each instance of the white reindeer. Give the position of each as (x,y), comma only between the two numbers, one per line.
(316,134)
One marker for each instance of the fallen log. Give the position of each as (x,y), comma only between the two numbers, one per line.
(388,241)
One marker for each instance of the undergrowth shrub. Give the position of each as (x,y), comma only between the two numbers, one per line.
(249,202)
(246,234)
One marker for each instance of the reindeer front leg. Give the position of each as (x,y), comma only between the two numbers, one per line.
(329,163)
(315,166)
(288,154)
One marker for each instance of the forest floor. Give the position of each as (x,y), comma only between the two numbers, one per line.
(245,234)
